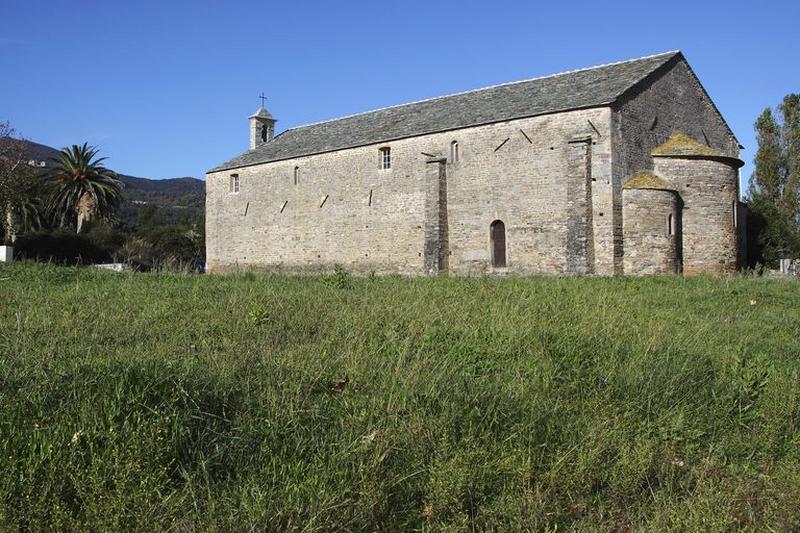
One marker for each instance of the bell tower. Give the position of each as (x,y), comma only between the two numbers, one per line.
(262,127)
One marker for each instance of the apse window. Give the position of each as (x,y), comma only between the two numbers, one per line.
(670,225)
(385,158)
(234,183)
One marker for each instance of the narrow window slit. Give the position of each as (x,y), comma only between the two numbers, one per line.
(502,144)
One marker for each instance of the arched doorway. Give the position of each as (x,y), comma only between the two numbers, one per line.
(497,237)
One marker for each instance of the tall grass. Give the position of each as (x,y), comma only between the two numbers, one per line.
(188,403)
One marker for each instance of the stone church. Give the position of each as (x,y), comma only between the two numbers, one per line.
(625,168)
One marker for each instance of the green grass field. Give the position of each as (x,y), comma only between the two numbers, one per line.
(252,402)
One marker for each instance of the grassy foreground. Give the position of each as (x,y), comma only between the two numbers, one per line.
(161,402)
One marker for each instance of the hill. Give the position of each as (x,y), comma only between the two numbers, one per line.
(175,198)
(261,402)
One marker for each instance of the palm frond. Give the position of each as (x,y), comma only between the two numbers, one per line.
(78,172)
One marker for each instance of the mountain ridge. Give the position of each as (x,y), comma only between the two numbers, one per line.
(175,198)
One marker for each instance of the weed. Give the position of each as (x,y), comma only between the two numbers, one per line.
(262,402)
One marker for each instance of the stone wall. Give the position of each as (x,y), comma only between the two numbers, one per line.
(651,226)
(550,185)
(709,191)
(548,178)
(671,100)
(343,209)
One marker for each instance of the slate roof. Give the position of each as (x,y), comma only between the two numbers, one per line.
(262,112)
(680,144)
(579,89)
(647,180)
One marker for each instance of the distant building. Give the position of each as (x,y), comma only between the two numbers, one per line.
(623,168)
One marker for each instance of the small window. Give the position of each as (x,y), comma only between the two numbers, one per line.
(454,152)
(264,133)
(296,174)
(234,184)
(386,158)
(670,225)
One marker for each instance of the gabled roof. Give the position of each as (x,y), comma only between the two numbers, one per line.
(579,89)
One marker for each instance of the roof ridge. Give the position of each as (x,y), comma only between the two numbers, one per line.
(573,71)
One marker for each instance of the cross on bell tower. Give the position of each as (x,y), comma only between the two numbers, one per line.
(262,125)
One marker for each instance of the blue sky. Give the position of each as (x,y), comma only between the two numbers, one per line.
(165,88)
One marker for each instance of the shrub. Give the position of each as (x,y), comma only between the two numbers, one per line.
(63,247)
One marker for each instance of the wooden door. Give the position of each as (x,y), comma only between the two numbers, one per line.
(498,238)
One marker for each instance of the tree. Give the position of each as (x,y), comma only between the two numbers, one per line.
(775,183)
(84,189)
(20,188)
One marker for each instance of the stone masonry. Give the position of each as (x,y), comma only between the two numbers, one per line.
(316,196)
(651,224)
(709,194)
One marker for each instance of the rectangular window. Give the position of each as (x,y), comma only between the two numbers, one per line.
(234,184)
(386,158)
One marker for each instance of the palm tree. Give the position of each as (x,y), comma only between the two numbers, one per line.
(83,187)
(23,216)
